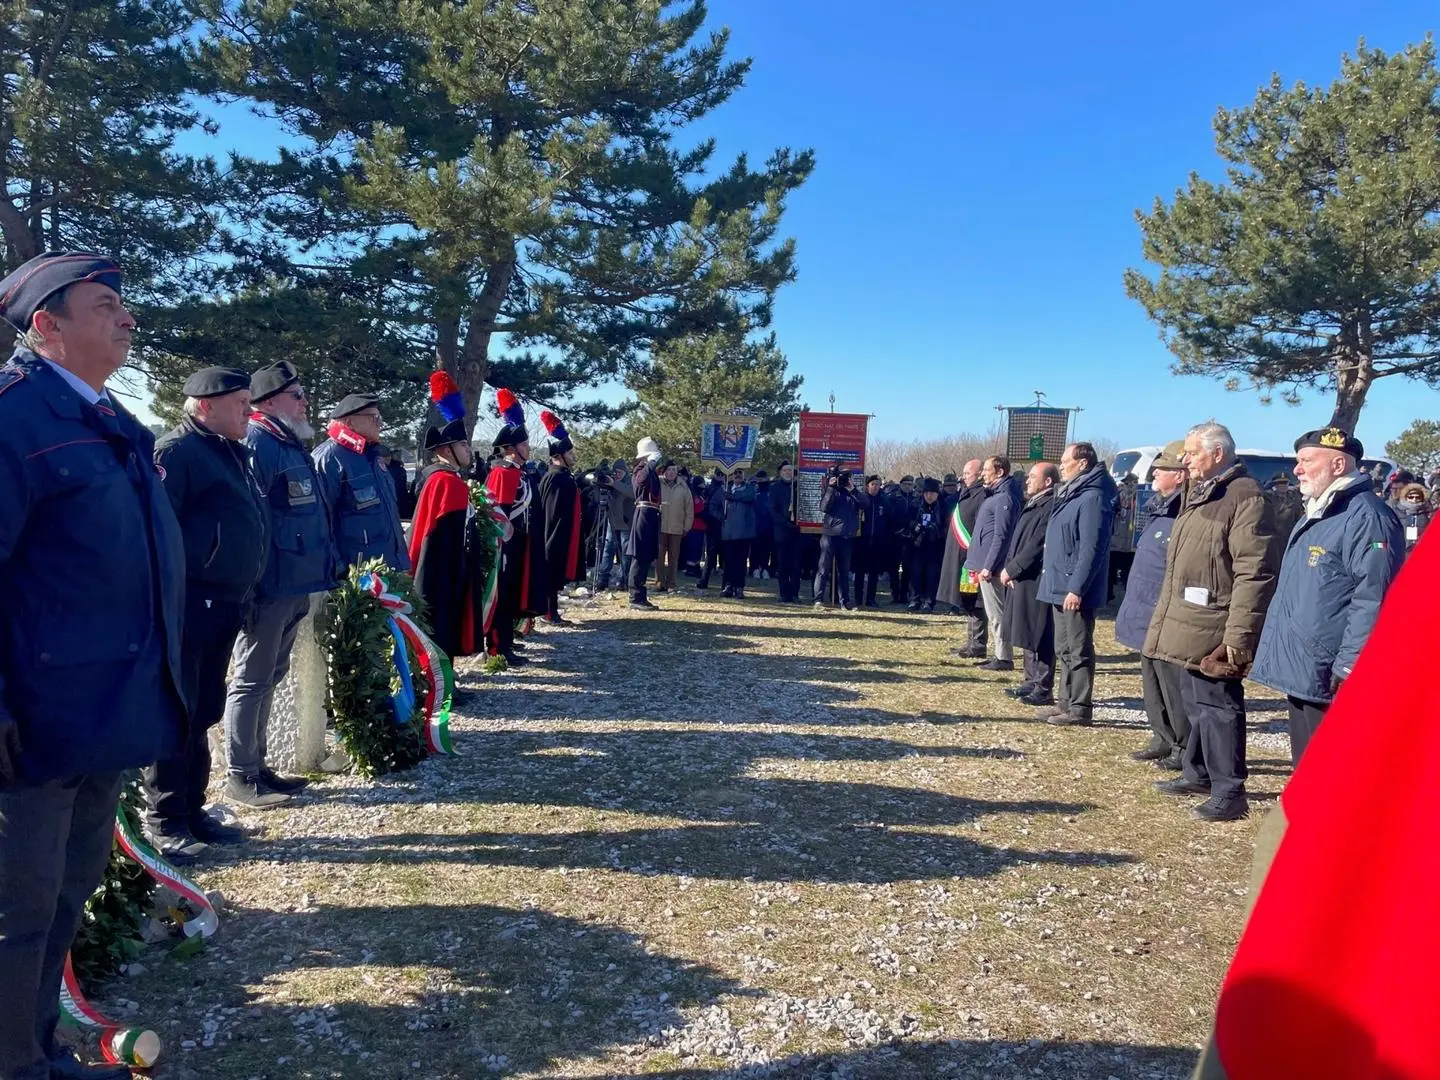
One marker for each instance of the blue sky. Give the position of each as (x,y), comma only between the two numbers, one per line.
(962,240)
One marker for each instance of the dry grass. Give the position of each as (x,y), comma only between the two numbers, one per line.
(732,839)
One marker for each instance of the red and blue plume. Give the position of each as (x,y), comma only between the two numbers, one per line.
(510,410)
(446,396)
(553,425)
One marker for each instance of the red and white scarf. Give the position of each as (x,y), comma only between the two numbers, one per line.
(345,436)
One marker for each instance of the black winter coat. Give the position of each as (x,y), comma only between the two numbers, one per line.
(1028,623)
(1147,572)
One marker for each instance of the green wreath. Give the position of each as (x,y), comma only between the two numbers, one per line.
(354,634)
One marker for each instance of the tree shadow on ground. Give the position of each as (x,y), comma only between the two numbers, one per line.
(967,1059)
(464,991)
(736,824)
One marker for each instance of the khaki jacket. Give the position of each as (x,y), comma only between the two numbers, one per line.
(1219,573)
(677,508)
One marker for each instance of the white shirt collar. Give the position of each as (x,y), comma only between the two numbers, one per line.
(87,392)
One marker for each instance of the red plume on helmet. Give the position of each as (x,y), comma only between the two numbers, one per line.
(510,410)
(446,396)
(553,425)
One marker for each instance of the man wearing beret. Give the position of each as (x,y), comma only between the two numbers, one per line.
(92,571)
(205,468)
(300,560)
(364,515)
(1338,564)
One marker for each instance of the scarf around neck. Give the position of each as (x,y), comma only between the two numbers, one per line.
(343,435)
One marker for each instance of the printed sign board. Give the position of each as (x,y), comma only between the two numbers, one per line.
(1036,433)
(827,439)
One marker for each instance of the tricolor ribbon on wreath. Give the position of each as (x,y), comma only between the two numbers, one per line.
(435,665)
(967,583)
(137,1046)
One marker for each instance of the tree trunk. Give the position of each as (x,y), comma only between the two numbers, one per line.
(1354,372)
(473,365)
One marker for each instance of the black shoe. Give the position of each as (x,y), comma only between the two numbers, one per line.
(929,609)
(1182,785)
(1171,762)
(64,1065)
(1223,808)
(996,665)
(739,594)
(514,659)
(250,791)
(1024,690)
(1154,750)
(560,620)
(1070,719)
(284,785)
(642,605)
(205,828)
(727,593)
(662,588)
(848,607)
(952,610)
(1039,699)
(182,849)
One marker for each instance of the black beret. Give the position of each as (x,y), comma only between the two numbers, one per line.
(951,478)
(872,478)
(762,475)
(351,404)
(214,381)
(1332,438)
(931,484)
(445,434)
(510,435)
(907,479)
(35,281)
(271,379)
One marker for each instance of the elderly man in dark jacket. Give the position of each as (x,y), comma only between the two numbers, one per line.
(205,467)
(364,516)
(1219,576)
(994,526)
(1160,680)
(959,592)
(1077,557)
(1028,623)
(1336,568)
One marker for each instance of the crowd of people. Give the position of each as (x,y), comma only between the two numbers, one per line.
(156,589)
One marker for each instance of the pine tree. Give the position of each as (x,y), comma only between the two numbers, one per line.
(510,169)
(1417,448)
(1316,263)
(93,95)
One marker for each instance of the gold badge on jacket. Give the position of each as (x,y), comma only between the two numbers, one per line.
(1315,553)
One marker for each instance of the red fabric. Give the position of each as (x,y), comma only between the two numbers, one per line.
(503,483)
(444,493)
(1336,973)
(346,436)
(572,558)
(698,525)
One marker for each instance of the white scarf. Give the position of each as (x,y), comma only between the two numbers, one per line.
(1317,506)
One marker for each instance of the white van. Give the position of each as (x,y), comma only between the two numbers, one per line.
(1264,465)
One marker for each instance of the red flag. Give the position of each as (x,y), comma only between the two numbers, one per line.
(1337,974)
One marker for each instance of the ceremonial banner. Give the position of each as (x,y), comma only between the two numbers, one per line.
(728,441)
(826,440)
(1036,433)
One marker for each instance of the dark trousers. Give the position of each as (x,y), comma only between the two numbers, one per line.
(787,557)
(977,627)
(1118,572)
(926,574)
(834,571)
(1215,751)
(737,556)
(55,841)
(175,787)
(1075,659)
(898,582)
(1163,686)
(712,554)
(1040,667)
(762,550)
(639,574)
(867,584)
(1305,717)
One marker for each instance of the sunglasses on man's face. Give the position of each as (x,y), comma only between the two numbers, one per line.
(298,394)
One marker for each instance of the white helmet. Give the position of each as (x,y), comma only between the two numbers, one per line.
(648,448)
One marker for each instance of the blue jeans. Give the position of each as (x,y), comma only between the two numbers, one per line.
(615,542)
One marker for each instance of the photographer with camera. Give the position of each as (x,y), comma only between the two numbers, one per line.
(840,511)
(614,499)
(927,544)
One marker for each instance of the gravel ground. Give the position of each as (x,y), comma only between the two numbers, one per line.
(733,839)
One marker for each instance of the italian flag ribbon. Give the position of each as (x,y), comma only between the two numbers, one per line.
(439,675)
(136,1046)
(962,537)
(492,579)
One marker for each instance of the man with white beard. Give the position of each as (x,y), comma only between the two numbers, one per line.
(302,560)
(1337,565)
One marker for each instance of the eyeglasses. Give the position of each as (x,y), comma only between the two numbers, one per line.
(298,394)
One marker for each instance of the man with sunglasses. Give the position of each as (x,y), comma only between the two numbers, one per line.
(301,560)
(364,514)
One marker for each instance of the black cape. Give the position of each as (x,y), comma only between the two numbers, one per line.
(560,499)
(444,552)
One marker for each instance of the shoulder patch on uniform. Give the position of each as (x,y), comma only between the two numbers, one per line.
(9,376)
